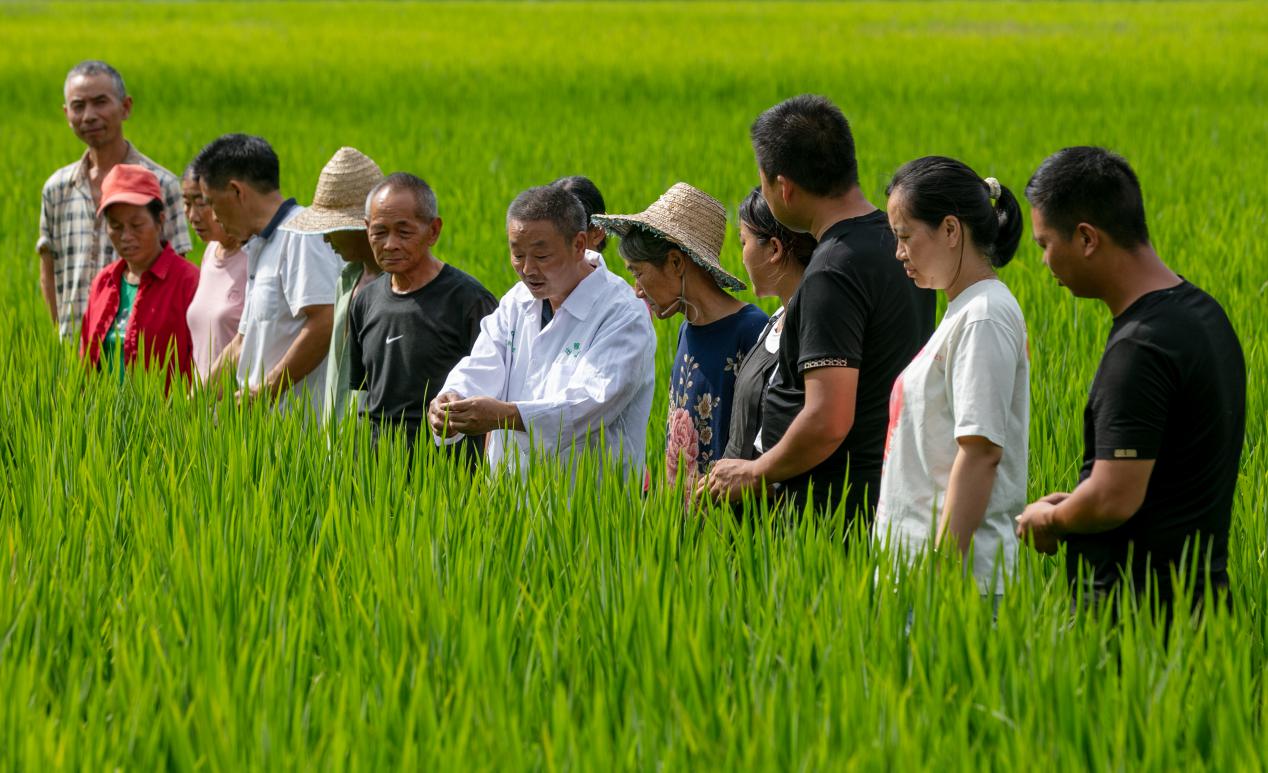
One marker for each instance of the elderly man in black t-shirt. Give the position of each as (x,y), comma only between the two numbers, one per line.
(1166,415)
(853,325)
(409,327)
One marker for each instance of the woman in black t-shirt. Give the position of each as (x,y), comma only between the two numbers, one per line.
(775,259)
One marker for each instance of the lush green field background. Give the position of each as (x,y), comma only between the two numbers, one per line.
(196,589)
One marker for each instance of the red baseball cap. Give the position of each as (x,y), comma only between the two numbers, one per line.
(129,184)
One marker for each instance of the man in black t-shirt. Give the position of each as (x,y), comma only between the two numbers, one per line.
(1166,414)
(409,327)
(850,329)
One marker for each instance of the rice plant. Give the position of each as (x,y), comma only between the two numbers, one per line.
(194,585)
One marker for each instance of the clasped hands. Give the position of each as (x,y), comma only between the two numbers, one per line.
(728,479)
(449,415)
(1037,525)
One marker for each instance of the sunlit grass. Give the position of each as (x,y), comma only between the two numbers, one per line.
(188,585)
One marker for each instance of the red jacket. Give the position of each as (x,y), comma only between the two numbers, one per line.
(158,313)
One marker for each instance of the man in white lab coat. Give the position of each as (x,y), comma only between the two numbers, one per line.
(565,362)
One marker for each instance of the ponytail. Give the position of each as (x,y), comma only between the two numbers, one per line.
(1008,216)
(936,186)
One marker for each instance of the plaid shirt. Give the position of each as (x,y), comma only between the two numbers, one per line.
(70,228)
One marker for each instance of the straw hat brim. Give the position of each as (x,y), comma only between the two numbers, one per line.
(621,225)
(323,221)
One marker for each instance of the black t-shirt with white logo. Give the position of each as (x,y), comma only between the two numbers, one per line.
(855,308)
(404,345)
(1171,387)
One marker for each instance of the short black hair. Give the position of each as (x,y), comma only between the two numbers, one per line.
(1090,185)
(90,67)
(588,193)
(807,140)
(425,206)
(240,157)
(548,202)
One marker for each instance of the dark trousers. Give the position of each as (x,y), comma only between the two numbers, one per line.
(470,449)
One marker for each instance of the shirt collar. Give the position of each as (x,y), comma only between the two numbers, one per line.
(133,156)
(587,292)
(159,268)
(116,269)
(279,217)
(350,276)
(163,264)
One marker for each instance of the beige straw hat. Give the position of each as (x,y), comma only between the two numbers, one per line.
(342,188)
(688,217)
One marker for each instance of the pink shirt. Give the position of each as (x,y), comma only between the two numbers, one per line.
(217,306)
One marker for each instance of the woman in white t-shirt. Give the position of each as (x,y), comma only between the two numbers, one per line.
(955,455)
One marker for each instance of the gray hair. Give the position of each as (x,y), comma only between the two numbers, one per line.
(92,67)
(639,245)
(547,202)
(425,206)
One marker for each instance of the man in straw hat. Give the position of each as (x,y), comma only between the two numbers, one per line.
(408,328)
(851,327)
(566,360)
(280,350)
(672,251)
(338,214)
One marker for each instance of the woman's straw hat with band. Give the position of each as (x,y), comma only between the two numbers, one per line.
(342,188)
(688,217)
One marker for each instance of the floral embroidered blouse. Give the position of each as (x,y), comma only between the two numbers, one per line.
(701,387)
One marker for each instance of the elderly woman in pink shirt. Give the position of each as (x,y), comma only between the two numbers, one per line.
(217,306)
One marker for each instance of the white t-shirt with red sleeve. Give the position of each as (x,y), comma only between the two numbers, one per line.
(972,378)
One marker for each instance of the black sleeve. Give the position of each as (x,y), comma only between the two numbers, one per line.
(1133,389)
(835,306)
(356,369)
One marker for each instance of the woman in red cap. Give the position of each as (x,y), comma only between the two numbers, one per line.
(137,303)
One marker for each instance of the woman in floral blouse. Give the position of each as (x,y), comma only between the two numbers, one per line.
(672,251)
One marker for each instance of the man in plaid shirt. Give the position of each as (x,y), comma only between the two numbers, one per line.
(73,243)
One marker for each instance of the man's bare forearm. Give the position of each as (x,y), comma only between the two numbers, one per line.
(805,444)
(1107,499)
(826,418)
(47,286)
(304,355)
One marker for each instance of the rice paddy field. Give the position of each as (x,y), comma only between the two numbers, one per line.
(193,586)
